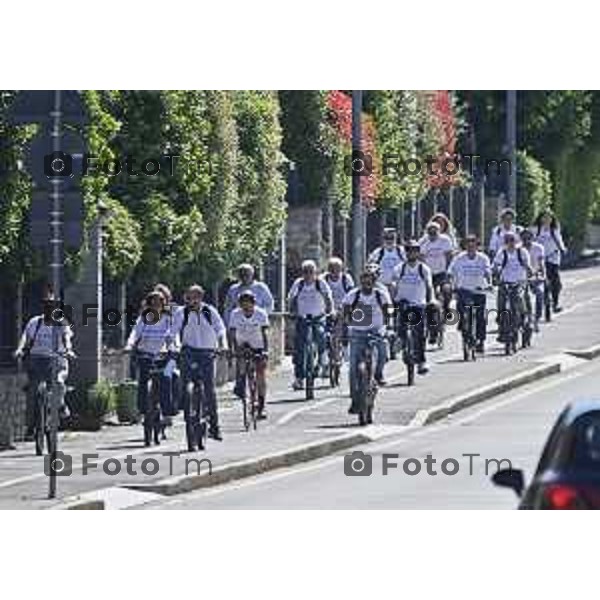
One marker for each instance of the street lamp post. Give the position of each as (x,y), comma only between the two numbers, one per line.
(357,246)
(511,144)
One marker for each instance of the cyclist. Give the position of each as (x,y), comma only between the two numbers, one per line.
(246,281)
(547,233)
(436,251)
(339,280)
(150,338)
(171,400)
(413,293)
(511,265)
(471,273)
(310,295)
(538,268)
(366,308)
(248,327)
(36,347)
(388,256)
(200,334)
(446,227)
(506,225)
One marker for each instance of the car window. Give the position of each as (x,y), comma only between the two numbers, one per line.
(551,449)
(586,442)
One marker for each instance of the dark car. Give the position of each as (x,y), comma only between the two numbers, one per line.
(568,474)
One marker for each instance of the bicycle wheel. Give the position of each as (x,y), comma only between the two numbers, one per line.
(409,356)
(310,366)
(41,408)
(253,399)
(547,305)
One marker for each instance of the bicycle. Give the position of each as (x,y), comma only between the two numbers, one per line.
(249,357)
(42,409)
(334,349)
(366,385)
(196,426)
(515,294)
(436,326)
(409,344)
(154,428)
(468,326)
(310,355)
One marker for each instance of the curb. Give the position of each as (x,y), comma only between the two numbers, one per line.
(81,505)
(441,411)
(230,472)
(588,353)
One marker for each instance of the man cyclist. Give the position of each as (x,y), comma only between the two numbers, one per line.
(310,295)
(247,282)
(538,268)
(36,347)
(436,251)
(506,225)
(470,273)
(365,310)
(413,292)
(152,339)
(248,328)
(200,334)
(512,265)
(388,256)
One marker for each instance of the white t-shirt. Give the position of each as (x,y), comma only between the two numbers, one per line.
(434,252)
(497,237)
(261,291)
(249,330)
(412,282)
(552,249)
(513,271)
(537,256)
(198,332)
(387,261)
(149,337)
(374,318)
(470,273)
(43,340)
(309,299)
(339,287)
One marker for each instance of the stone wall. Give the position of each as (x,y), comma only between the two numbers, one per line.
(12,407)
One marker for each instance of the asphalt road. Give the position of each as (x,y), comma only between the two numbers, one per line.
(514,427)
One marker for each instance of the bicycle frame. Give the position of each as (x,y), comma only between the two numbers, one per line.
(249,358)
(195,423)
(310,355)
(366,385)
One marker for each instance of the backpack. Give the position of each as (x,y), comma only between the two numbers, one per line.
(30,344)
(377,297)
(345,282)
(519,257)
(317,285)
(382,252)
(205,311)
(403,271)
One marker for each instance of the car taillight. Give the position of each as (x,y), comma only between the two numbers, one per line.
(562,497)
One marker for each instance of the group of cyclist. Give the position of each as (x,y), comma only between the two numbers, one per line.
(406,285)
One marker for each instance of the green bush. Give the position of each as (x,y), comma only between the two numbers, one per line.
(92,405)
(126,402)
(534,188)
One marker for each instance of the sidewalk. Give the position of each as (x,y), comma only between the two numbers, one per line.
(295,422)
